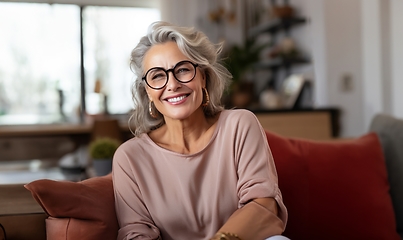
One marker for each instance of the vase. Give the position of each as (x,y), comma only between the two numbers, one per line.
(102,167)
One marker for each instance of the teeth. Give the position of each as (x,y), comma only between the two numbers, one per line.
(176,99)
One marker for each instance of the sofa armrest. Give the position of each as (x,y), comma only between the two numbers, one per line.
(390,132)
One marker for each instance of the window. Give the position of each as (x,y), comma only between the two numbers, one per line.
(109,36)
(40,57)
(40,76)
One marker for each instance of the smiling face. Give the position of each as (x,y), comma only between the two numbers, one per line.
(176,100)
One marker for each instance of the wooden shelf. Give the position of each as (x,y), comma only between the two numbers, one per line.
(276,25)
(281,62)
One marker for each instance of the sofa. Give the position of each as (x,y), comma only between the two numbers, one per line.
(336,189)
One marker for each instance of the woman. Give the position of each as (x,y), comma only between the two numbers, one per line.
(193,170)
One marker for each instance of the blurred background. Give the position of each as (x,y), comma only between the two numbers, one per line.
(63,61)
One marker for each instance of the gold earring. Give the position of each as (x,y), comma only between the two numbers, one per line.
(150,109)
(206,103)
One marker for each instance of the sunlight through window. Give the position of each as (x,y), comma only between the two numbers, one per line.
(40,79)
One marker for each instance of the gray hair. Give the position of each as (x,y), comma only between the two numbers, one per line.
(198,48)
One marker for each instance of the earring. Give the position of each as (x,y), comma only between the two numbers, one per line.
(206,103)
(150,109)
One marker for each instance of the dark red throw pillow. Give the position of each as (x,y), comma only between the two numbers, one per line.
(334,190)
(77,210)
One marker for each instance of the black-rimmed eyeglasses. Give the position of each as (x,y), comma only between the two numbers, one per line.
(157,77)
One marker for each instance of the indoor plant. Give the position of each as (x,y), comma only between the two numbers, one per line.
(101,151)
(239,60)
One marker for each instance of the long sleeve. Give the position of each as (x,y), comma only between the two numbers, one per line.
(261,212)
(134,219)
(257,175)
(255,221)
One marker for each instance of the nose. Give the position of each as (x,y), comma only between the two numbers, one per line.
(172,84)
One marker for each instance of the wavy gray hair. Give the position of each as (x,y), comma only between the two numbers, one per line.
(197,47)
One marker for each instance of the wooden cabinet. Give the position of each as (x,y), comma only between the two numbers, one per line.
(316,124)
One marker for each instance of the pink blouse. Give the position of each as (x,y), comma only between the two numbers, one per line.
(161,193)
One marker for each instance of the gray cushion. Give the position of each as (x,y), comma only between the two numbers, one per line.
(390,132)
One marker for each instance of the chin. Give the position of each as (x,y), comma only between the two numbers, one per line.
(181,114)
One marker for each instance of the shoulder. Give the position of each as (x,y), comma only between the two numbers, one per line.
(135,144)
(239,116)
(237,121)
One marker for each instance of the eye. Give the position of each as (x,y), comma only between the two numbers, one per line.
(184,68)
(156,75)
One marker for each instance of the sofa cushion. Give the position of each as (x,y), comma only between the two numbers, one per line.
(390,132)
(79,210)
(334,190)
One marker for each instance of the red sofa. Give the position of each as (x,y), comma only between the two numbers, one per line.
(337,189)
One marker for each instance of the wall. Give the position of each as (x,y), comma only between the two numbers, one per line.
(396,24)
(336,57)
(356,52)
(344,63)
(195,13)
(360,40)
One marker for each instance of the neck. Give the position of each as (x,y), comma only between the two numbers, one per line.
(186,136)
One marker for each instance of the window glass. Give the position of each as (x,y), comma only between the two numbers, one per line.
(110,34)
(40,60)
(39,63)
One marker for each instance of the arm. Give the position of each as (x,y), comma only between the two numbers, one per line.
(261,212)
(256,220)
(134,219)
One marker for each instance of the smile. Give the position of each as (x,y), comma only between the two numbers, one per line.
(176,99)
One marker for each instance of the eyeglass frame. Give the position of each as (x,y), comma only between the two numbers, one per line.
(195,65)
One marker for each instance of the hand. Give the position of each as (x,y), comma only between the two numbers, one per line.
(225,236)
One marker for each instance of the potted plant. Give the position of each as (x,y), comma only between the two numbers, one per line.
(240,59)
(101,151)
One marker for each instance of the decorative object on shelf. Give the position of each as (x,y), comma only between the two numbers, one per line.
(269,99)
(291,89)
(285,53)
(222,11)
(283,10)
(73,165)
(101,151)
(240,60)
(98,99)
(285,49)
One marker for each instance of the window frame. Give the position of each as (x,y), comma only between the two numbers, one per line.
(114,3)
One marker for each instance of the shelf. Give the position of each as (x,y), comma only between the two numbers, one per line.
(280,62)
(276,25)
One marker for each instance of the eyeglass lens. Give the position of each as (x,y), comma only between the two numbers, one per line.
(183,72)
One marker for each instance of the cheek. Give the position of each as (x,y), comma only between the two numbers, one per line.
(197,88)
(200,93)
(152,94)
(203,79)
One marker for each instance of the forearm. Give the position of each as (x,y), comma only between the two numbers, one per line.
(257,220)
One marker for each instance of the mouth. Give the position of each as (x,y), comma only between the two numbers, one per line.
(177,99)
